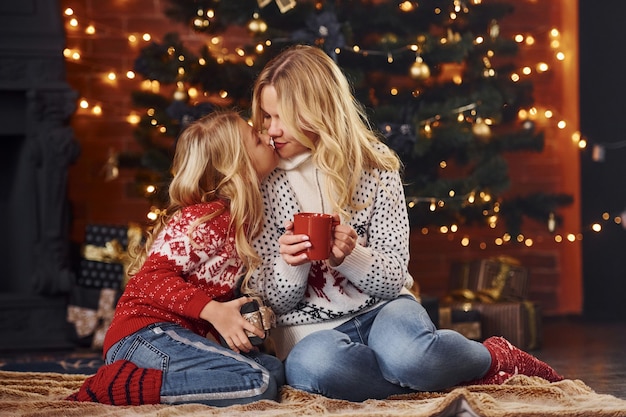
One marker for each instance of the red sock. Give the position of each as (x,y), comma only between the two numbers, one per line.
(121,383)
(511,360)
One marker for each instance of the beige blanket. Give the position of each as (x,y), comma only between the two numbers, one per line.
(42,394)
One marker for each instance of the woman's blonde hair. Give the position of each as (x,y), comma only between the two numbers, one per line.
(211,163)
(315,96)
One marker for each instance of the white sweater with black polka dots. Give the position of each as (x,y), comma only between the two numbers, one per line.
(315,295)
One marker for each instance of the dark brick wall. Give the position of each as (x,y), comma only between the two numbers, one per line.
(555,269)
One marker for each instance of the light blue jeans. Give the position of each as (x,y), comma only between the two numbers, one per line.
(393,349)
(198,370)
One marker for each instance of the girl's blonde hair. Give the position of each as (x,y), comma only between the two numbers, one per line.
(314,95)
(211,163)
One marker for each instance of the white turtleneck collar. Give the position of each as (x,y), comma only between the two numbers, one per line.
(292,163)
(307,182)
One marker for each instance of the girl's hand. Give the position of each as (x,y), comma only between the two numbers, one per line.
(227,320)
(291,246)
(344,242)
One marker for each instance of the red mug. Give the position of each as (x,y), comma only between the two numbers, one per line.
(318,227)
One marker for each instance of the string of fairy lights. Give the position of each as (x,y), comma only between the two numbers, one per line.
(79,27)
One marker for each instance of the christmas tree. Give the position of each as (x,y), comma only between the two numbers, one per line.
(436,77)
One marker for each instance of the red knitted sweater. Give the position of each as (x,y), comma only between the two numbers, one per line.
(181,275)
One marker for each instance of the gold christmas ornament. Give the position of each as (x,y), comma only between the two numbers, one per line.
(481,129)
(283,5)
(419,70)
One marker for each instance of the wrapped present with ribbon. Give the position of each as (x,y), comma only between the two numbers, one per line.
(488,280)
(520,322)
(105,259)
(91,320)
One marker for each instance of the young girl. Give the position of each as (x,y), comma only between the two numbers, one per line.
(347,326)
(161,346)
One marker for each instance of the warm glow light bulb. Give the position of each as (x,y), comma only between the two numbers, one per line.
(74,22)
(90,30)
(146,37)
(133,119)
(406,6)
(111,76)
(130,75)
(83,104)
(68,12)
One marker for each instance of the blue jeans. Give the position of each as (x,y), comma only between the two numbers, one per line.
(393,349)
(199,370)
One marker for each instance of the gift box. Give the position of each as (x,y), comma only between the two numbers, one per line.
(462,319)
(105,256)
(489,280)
(520,322)
(95,274)
(90,312)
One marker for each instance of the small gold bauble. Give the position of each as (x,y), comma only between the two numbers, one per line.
(419,70)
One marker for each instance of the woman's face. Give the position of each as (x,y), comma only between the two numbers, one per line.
(264,158)
(286,145)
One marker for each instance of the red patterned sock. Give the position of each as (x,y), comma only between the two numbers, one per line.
(509,359)
(121,383)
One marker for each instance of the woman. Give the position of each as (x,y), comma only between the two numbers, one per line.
(347,326)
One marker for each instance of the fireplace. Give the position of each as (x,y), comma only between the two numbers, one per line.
(37,147)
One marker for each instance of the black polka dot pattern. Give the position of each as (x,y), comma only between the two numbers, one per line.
(376,270)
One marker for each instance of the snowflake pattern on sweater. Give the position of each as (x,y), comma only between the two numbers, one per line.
(181,274)
(314,292)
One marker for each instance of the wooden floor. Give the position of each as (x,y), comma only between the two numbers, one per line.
(592,351)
